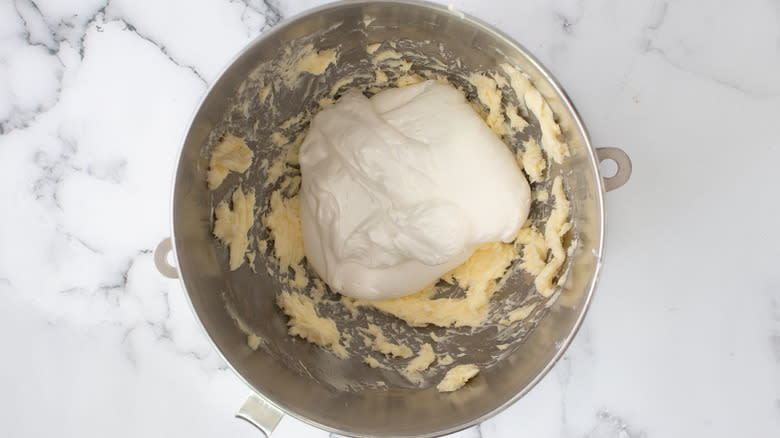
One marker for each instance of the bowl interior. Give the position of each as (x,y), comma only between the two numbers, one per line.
(302,379)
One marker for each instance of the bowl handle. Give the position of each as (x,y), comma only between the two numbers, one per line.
(260,413)
(623,167)
(161,259)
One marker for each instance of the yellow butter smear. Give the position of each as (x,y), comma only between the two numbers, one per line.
(551,132)
(541,253)
(232,225)
(457,377)
(477,276)
(382,345)
(231,154)
(306,323)
(284,221)
(316,62)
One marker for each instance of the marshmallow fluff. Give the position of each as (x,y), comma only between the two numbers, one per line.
(399,189)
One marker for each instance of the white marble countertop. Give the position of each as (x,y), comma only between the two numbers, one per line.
(683,336)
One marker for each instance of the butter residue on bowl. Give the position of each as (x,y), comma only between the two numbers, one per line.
(231,154)
(490,96)
(556,227)
(533,161)
(232,224)
(309,325)
(456,377)
(382,345)
(316,62)
(538,251)
(425,357)
(477,277)
(551,131)
(284,221)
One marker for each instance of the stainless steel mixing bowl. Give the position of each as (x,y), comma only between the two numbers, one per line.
(275,373)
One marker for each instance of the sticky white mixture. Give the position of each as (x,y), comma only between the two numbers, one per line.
(393,197)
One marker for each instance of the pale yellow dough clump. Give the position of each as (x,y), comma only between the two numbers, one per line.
(536,245)
(490,96)
(519,314)
(555,228)
(534,249)
(457,377)
(306,323)
(477,276)
(231,154)
(382,345)
(284,222)
(253,341)
(373,363)
(424,359)
(410,79)
(532,160)
(517,122)
(316,62)
(551,143)
(232,226)
(385,55)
